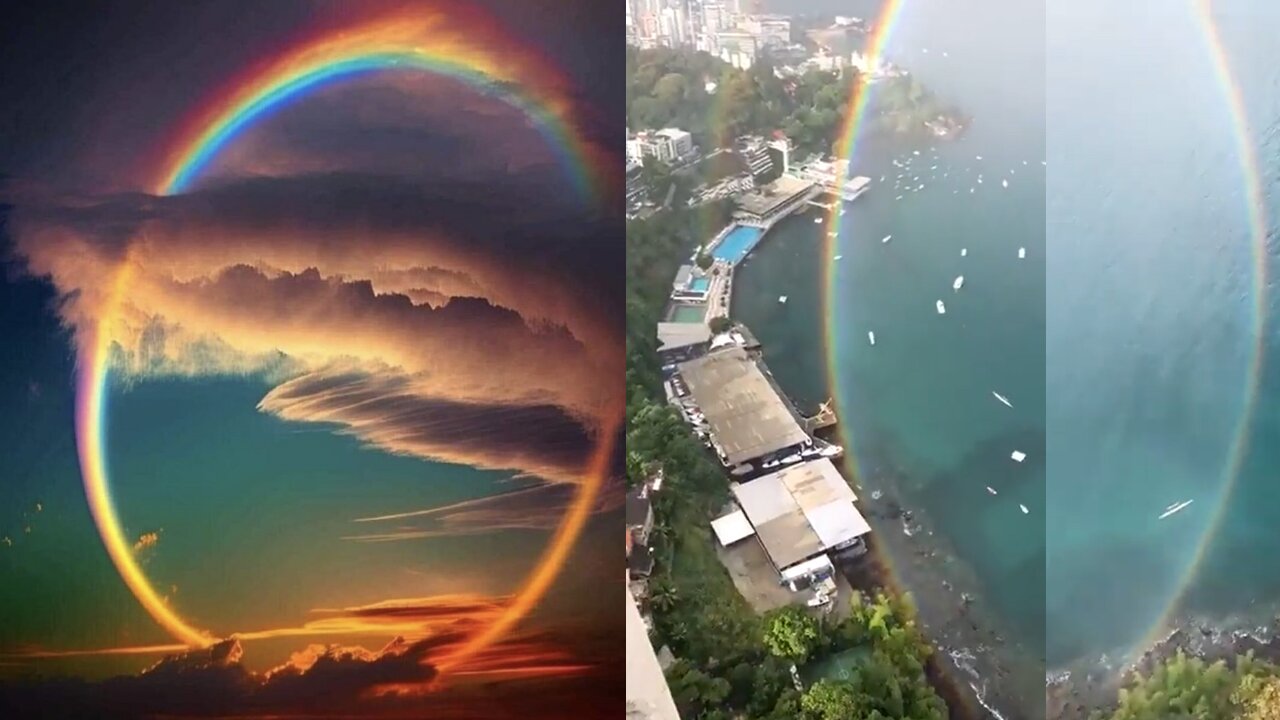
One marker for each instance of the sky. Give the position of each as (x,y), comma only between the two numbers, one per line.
(354,446)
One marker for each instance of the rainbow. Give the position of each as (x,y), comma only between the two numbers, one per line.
(478,56)
(850,133)
(417,41)
(1255,209)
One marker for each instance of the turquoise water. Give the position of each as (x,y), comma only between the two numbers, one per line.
(1127,360)
(918,407)
(701,284)
(1150,299)
(735,246)
(689,313)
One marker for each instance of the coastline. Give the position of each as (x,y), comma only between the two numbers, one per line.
(973,662)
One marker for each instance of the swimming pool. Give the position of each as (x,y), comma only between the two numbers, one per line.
(700,285)
(689,313)
(737,244)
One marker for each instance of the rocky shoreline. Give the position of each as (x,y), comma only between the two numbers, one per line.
(974,664)
(1077,694)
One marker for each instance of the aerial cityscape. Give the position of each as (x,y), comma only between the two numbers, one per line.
(846,495)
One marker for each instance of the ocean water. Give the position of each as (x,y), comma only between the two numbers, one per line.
(918,407)
(1151,324)
(1126,340)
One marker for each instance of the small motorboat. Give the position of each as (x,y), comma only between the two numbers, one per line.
(1176,507)
(1002,398)
(992,490)
(1024,508)
(1005,183)
(887,238)
(1018,456)
(959,283)
(1022,253)
(942,309)
(817,220)
(782,299)
(871,337)
(837,257)
(964,252)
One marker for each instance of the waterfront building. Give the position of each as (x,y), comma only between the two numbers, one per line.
(799,515)
(681,341)
(831,177)
(769,203)
(745,416)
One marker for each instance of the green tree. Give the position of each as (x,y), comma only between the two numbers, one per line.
(720,324)
(790,633)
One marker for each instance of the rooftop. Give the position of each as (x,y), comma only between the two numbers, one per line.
(764,200)
(800,511)
(675,335)
(748,418)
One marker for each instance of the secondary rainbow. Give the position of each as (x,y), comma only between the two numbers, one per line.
(464,46)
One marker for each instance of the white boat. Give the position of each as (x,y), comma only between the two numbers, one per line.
(841,212)
(871,337)
(837,257)
(1176,507)
(979,157)
(942,309)
(992,490)
(979,179)
(1002,398)
(915,152)
(817,220)
(782,299)
(1018,456)
(794,457)
(964,252)
(898,198)
(1024,508)
(933,167)
(881,178)
(886,238)
(959,283)
(970,191)
(831,451)
(1022,253)
(1005,183)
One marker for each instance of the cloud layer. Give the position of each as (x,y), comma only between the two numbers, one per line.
(422,334)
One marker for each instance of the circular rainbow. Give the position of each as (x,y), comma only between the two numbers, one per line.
(476,54)
(1255,210)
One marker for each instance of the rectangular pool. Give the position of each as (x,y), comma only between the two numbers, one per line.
(689,314)
(700,285)
(737,244)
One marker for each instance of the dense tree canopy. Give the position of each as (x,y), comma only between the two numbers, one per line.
(1190,688)
(717,102)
